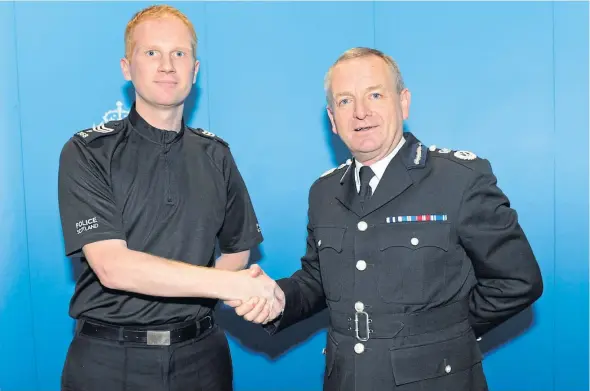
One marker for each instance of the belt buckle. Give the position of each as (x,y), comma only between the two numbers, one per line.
(356,325)
(210,321)
(158,337)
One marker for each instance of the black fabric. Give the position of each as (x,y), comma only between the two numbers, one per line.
(438,230)
(170,194)
(201,364)
(399,325)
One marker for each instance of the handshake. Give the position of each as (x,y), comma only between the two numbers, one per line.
(260,300)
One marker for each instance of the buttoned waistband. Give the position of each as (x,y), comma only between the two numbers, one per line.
(364,325)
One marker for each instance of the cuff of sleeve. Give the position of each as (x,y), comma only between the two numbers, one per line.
(242,245)
(291,310)
(481,328)
(75,247)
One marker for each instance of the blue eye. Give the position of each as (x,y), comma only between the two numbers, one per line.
(376,95)
(343,101)
(151,53)
(179,54)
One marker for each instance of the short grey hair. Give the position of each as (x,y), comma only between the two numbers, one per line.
(359,52)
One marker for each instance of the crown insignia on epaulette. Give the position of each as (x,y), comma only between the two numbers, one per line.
(463,155)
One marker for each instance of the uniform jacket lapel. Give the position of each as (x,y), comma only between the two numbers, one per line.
(394,181)
(408,166)
(347,194)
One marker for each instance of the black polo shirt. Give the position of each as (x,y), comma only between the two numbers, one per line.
(169,194)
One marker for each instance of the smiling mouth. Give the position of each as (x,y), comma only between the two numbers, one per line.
(364,128)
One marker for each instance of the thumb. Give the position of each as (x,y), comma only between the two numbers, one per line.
(255,271)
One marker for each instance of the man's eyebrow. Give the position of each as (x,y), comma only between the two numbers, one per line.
(376,87)
(371,88)
(345,93)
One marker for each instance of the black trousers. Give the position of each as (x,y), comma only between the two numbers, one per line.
(201,364)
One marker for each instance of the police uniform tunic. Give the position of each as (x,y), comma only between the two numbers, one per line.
(169,194)
(412,276)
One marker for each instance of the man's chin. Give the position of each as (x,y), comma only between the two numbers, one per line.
(364,156)
(368,149)
(168,103)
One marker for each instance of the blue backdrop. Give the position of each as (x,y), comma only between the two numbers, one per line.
(508,81)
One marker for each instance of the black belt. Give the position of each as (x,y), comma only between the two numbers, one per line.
(364,325)
(156,337)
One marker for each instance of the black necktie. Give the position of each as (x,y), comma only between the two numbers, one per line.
(365,175)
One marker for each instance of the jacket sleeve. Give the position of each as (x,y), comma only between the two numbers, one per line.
(507,273)
(304,293)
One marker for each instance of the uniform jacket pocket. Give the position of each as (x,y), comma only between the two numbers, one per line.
(413,261)
(329,241)
(434,360)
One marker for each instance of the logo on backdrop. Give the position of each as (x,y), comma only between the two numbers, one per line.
(115,114)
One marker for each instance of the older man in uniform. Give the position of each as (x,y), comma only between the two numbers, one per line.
(415,251)
(143,202)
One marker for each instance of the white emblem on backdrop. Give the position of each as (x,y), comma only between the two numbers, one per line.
(114,115)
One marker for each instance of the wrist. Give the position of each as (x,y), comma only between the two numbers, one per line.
(223,284)
(236,286)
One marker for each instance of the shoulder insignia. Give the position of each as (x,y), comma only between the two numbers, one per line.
(462,155)
(207,134)
(346,163)
(465,158)
(99,130)
(415,155)
(419,157)
(433,148)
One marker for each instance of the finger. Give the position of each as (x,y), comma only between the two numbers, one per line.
(271,317)
(247,306)
(250,316)
(263,314)
(244,309)
(233,303)
(255,270)
(251,306)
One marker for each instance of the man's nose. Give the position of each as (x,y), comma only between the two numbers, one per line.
(166,65)
(360,110)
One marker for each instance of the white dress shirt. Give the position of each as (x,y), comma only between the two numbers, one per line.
(377,167)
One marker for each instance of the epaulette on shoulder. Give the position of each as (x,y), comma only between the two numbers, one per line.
(209,135)
(465,158)
(100,130)
(336,169)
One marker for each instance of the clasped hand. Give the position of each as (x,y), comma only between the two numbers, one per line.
(262,300)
